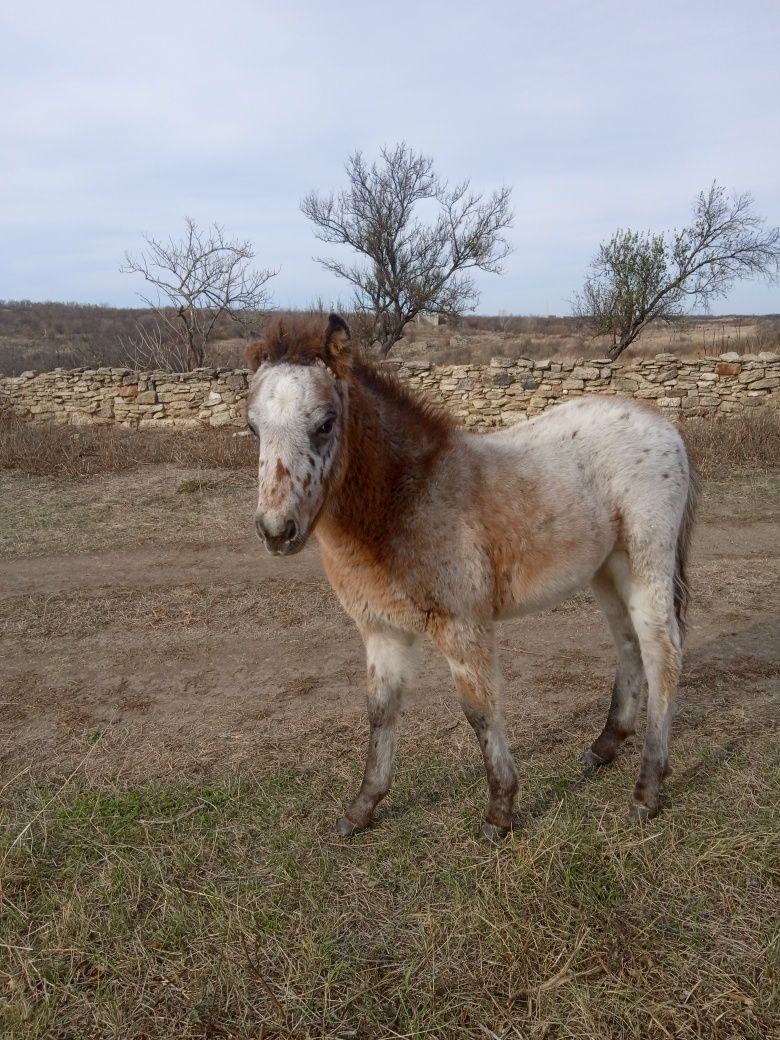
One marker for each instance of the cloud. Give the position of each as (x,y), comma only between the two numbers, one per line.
(120,121)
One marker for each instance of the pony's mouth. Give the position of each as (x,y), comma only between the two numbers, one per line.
(281,547)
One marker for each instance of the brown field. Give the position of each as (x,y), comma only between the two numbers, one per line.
(181,721)
(42,336)
(479,338)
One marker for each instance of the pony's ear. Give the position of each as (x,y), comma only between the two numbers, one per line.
(255,355)
(337,339)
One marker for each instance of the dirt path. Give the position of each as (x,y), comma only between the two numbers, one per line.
(143,567)
(200,657)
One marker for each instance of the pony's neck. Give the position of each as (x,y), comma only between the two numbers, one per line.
(388,452)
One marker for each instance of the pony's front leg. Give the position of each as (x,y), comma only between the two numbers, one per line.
(472,659)
(391,659)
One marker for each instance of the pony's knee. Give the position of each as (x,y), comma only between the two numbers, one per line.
(478,688)
(391,662)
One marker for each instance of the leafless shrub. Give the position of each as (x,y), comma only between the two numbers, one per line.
(197,281)
(507,324)
(150,348)
(765,337)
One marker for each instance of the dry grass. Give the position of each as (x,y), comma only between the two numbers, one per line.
(175,910)
(230,910)
(719,448)
(123,510)
(45,336)
(235,605)
(476,339)
(246,606)
(42,449)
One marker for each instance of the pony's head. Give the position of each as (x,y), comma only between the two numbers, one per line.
(297,409)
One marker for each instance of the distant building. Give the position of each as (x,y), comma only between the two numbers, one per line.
(430,320)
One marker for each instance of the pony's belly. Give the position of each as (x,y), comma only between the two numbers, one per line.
(527,592)
(532,603)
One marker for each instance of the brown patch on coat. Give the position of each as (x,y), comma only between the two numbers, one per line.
(520,545)
(364,584)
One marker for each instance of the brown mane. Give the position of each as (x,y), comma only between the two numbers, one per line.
(419,412)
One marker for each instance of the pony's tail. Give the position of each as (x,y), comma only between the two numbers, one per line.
(682,591)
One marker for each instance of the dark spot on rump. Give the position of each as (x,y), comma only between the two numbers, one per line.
(574,434)
(281,471)
(665,476)
(617,520)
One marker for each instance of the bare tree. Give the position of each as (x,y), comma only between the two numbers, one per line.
(639,277)
(197,281)
(149,348)
(406,264)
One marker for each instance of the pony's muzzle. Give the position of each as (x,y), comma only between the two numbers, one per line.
(282,537)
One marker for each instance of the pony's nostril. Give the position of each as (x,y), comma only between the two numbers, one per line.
(290,531)
(260,528)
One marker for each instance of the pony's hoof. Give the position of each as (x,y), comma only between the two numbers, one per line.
(591,761)
(345,828)
(641,813)
(493,834)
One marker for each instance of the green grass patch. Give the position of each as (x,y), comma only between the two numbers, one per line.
(190,486)
(231,909)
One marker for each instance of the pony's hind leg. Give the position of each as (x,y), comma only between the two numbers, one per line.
(629,674)
(391,658)
(652,612)
(474,666)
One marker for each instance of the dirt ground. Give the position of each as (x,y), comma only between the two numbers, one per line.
(144,631)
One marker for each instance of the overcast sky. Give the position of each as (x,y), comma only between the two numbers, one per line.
(120,119)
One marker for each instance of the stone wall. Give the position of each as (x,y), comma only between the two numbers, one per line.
(506,391)
(497,394)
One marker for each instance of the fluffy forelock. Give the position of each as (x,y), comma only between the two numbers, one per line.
(294,341)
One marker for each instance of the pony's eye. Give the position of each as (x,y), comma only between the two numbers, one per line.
(326,429)
(253,428)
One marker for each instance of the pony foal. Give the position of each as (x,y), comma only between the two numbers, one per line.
(428,530)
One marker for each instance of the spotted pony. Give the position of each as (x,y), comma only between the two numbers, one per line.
(428,530)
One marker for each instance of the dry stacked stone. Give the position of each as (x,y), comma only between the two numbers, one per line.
(482,396)
(508,390)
